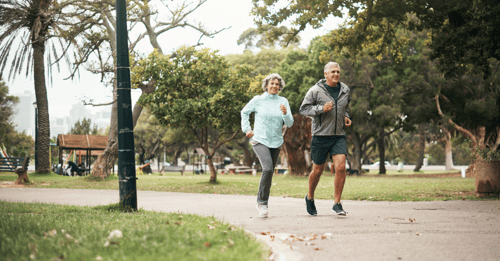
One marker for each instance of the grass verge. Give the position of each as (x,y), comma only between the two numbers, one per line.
(53,232)
(368,187)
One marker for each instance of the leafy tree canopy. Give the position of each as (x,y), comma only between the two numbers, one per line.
(264,62)
(463,31)
(253,38)
(197,91)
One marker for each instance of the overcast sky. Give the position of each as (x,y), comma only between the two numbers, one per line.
(214,14)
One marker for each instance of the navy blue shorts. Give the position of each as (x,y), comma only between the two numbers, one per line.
(321,146)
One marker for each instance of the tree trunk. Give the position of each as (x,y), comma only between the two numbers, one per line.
(43,140)
(177,154)
(213,171)
(448,149)
(421,147)
(105,162)
(381,150)
(22,172)
(297,143)
(246,151)
(354,159)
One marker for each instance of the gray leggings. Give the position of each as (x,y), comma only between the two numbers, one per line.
(268,158)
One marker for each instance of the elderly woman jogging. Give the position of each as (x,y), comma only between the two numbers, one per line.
(271,112)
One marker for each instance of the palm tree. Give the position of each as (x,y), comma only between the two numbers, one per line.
(25,29)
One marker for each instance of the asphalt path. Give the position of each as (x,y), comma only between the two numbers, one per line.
(440,230)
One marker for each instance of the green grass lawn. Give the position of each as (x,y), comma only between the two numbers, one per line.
(30,231)
(390,187)
(82,232)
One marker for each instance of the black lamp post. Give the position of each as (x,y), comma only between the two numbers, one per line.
(36,134)
(126,150)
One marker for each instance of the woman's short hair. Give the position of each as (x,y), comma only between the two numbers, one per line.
(330,64)
(270,78)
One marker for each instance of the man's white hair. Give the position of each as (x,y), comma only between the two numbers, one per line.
(330,64)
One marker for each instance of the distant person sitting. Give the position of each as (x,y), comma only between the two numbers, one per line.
(72,169)
(146,168)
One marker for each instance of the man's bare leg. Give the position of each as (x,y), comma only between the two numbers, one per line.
(314,177)
(339,163)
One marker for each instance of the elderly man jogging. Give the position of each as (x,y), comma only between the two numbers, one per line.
(327,103)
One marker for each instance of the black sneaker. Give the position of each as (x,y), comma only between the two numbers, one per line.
(311,208)
(337,208)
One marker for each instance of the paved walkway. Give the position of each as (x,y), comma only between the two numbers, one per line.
(449,230)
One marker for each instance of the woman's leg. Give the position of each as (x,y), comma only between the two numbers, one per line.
(268,159)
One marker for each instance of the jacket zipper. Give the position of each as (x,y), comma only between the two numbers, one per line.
(336,112)
(328,93)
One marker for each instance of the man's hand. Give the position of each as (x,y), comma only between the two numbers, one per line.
(283,109)
(347,121)
(328,106)
(249,133)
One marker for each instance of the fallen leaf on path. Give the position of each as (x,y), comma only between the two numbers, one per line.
(317,248)
(309,244)
(418,234)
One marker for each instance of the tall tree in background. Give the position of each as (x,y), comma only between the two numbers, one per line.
(198,92)
(471,105)
(28,25)
(7,103)
(99,38)
(18,144)
(84,127)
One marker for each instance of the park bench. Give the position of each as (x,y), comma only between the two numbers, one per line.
(239,169)
(10,164)
(174,169)
(280,170)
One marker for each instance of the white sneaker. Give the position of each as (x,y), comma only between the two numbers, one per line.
(262,210)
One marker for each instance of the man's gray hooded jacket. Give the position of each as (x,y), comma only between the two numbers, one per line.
(331,122)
